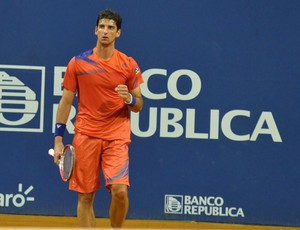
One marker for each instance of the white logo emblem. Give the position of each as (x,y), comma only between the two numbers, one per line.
(18,200)
(174,204)
(21,103)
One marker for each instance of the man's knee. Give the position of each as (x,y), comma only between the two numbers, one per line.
(86,198)
(119,192)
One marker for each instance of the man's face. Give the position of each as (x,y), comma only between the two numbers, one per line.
(106,31)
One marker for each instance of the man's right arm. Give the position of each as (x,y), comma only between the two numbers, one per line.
(62,115)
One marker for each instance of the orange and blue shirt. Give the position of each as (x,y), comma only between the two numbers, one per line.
(101,112)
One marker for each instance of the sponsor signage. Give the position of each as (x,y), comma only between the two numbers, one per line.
(21,102)
(200,205)
(17,199)
(21,109)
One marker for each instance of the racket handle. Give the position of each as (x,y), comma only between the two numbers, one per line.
(51,152)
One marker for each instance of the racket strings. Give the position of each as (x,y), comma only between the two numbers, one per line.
(68,163)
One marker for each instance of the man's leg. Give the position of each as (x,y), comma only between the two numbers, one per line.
(119,205)
(85,210)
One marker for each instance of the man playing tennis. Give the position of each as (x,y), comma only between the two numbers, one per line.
(108,86)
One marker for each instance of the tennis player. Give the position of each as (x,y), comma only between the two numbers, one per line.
(108,85)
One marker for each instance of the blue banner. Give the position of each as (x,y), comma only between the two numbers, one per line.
(217,138)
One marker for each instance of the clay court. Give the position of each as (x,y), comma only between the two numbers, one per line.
(55,222)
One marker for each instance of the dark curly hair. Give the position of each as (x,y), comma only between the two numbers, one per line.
(109,14)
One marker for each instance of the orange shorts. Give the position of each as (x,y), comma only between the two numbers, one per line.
(94,154)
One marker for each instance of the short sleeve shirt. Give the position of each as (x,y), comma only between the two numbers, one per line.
(101,112)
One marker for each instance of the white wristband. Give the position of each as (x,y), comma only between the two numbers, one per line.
(132,100)
(128,103)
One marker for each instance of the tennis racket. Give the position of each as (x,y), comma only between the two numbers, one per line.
(66,162)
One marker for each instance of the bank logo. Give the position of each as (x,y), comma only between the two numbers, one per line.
(174,204)
(201,205)
(22,98)
(18,200)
